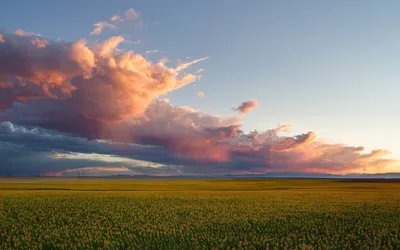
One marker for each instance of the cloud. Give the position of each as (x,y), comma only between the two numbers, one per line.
(246,106)
(134,42)
(2,38)
(70,106)
(151,51)
(180,140)
(197,150)
(184,66)
(100,26)
(200,94)
(116,18)
(132,14)
(131,20)
(28,150)
(96,84)
(39,43)
(20,32)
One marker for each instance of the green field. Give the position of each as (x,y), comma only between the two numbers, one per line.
(68,213)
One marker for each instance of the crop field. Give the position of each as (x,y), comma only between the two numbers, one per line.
(85,213)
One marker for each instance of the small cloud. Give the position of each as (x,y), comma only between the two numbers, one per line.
(21,32)
(100,26)
(119,22)
(246,106)
(183,66)
(132,14)
(151,51)
(116,18)
(200,94)
(156,22)
(133,42)
(199,71)
(2,39)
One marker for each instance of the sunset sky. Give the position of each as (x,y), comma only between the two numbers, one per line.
(199,87)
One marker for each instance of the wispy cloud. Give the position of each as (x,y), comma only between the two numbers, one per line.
(151,51)
(185,65)
(200,94)
(131,20)
(100,26)
(21,32)
(135,42)
(199,71)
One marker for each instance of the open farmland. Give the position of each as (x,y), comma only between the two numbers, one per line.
(71,213)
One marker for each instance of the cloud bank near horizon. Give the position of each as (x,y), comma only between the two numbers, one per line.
(70,98)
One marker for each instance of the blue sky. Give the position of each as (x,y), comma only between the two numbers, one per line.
(328,67)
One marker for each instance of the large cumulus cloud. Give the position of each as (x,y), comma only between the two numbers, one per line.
(71,97)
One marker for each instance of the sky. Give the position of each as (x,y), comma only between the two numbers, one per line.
(199,87)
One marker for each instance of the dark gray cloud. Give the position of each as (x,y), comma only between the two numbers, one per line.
(29,150)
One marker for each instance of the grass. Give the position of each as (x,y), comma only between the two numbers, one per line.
(70,213)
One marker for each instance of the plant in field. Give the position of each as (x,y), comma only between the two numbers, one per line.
(201,219)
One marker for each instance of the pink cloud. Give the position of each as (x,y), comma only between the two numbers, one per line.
(132,14)
(39,43)
(97,78)
(103,92)
(116,18)
(21,32)
(100,26)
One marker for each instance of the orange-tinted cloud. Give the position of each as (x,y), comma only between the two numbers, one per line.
(100,26)
(99,82)
(21,32)
(39,43)
(116,18)
(246,106)
(186,65)
(200,94)
(102,92)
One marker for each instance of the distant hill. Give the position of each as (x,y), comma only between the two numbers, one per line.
(273,175)
(283,175)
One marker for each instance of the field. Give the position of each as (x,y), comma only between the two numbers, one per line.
(72,213)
